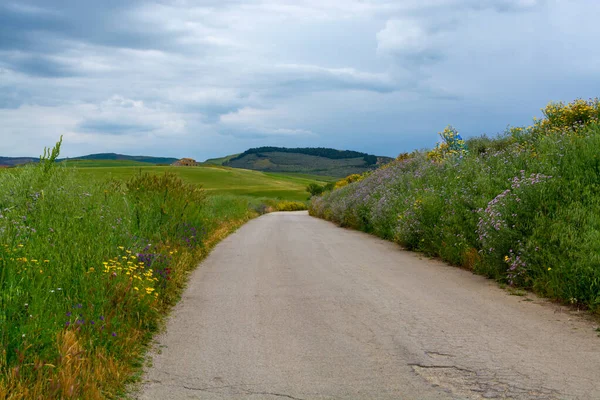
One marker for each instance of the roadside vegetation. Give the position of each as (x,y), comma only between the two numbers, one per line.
(522,208)
(89,267)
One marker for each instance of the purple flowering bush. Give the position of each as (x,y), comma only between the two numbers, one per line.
(521,208)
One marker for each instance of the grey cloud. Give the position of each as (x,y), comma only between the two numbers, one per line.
(40,66)
(292,79)
(111,127)
(108,23)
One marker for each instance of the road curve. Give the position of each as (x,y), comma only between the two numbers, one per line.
(292,307)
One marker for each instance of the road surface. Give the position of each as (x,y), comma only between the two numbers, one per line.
(292,307)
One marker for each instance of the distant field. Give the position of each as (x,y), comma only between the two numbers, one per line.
(216,179)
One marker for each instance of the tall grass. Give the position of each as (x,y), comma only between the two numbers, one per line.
(522,208)
(87,269)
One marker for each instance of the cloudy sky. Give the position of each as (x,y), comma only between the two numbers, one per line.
(204,78)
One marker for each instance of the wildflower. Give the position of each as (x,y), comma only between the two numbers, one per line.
(114,334)
(549,269)
(69,314)
(101,318)
(46,261)
(135,288)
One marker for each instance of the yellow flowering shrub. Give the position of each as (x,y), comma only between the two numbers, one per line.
(349,179)
(559,116)
(452,145)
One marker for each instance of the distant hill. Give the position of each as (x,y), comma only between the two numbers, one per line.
(220,160)
(309,160)
(127,160)
(12,161)
(115,156)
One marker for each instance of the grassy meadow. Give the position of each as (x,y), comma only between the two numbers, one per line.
(93,257)
(214,179)
(522,208)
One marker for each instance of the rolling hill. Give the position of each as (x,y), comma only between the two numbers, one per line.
(123,157)
(316,161)
(12,161)
(90,159)
(220,160)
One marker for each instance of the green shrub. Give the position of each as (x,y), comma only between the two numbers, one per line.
(315,189)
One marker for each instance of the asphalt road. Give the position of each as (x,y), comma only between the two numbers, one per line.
(292,307)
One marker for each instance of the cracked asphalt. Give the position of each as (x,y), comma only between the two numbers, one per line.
(292,307)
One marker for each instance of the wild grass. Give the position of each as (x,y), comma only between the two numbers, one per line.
(89,267)
(522,208)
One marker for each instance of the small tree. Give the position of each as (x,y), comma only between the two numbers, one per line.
(315,189)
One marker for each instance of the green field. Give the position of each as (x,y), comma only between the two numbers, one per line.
(214,179)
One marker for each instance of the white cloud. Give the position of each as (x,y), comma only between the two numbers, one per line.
(253,123)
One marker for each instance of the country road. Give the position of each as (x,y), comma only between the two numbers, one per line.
(292,307)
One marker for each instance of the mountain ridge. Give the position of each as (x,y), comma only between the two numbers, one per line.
(14,161)
(312,160)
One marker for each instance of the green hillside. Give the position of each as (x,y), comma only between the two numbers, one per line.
(220,160)
(12,161)
(316,161)
(218,179)
(94,160)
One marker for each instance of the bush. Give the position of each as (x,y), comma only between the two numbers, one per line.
(290,206)
(315,189)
